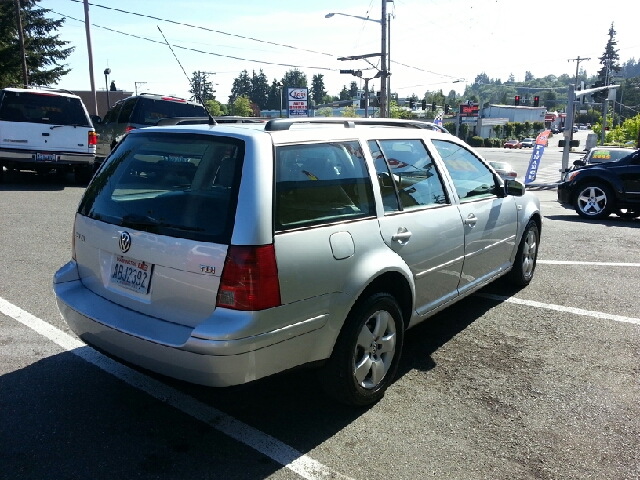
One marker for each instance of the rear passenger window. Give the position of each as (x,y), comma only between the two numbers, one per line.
(321,183)
(407,176)
(470,176)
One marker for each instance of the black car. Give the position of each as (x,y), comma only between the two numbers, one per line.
(597,190)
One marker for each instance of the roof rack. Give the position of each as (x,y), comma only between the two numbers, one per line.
(163,122)
(42,87)
(278,124)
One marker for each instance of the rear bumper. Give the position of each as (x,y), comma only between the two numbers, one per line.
(27,158)
(179,351)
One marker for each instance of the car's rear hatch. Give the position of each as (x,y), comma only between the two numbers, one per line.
(45,122)
(153,228)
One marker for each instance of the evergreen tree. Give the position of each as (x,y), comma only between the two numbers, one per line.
(273,101)
(353,89)
(259,89)
(43,48)
(201,89)
(317,88)
(610,66)
(344,93)
(241,86)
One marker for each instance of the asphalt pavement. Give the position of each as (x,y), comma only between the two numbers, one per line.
(537,383)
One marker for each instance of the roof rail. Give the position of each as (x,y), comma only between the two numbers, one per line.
(278,124)
(42,87)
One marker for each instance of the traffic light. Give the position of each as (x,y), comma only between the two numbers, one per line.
(433,106)
(517,100)
(411,103)
(536,101)
(446,108)
(424,104)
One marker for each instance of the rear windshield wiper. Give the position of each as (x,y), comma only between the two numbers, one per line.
(74,125)
(150,224)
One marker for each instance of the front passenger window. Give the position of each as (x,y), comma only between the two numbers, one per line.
(470,176)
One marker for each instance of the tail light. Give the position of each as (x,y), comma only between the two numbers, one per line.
(129,128)
(249,279)
(512,174)
(93,138)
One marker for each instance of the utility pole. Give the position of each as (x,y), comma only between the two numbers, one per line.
(383,61)
(575,86)
(25,76)
(88,31)
(577,60)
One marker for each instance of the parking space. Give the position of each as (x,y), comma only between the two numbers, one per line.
(534,383)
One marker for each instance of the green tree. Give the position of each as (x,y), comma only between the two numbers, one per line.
(44,50)
(259,89)
(399,112)
(345,94)
(215,108)
(242,106)
(294,79)
(325,112)
(528,76)
(353,90)
(275,92)
(317,89)
(241,86)
(610,61)
(201,89)
(349,111)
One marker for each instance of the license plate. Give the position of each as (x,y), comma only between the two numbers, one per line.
(131,274)
(46,157)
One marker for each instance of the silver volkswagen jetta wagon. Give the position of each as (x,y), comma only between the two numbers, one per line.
(220,254)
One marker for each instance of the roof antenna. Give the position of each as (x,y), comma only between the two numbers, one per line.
(212,120)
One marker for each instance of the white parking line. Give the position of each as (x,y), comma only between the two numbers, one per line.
(278,451)
(605,264)
(560,308)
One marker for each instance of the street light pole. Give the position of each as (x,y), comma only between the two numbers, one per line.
(280,87)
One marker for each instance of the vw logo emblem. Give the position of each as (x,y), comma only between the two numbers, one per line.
(125,242)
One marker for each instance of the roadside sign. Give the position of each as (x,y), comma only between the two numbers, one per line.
(297,102)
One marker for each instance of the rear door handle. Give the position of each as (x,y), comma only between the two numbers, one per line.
(402,237)
(471,220)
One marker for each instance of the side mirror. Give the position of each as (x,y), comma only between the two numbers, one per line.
(95,119)
(514,187)
(579,163)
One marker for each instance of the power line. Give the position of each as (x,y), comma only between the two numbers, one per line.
(230,35)
(204,28)
(196,50)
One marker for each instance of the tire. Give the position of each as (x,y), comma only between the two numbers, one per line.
(367,352)
(627,213)
(594,201)
(524,264)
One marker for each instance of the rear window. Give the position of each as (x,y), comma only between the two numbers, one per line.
(179,185)
(42,108)
(148,111)
(321,183)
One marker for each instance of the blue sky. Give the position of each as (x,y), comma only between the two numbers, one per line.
(433,42)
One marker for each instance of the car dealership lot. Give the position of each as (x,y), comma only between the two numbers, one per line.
(541,383)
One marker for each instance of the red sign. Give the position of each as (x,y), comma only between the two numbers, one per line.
(467,110)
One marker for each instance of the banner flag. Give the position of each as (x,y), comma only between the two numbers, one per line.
(536,157)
